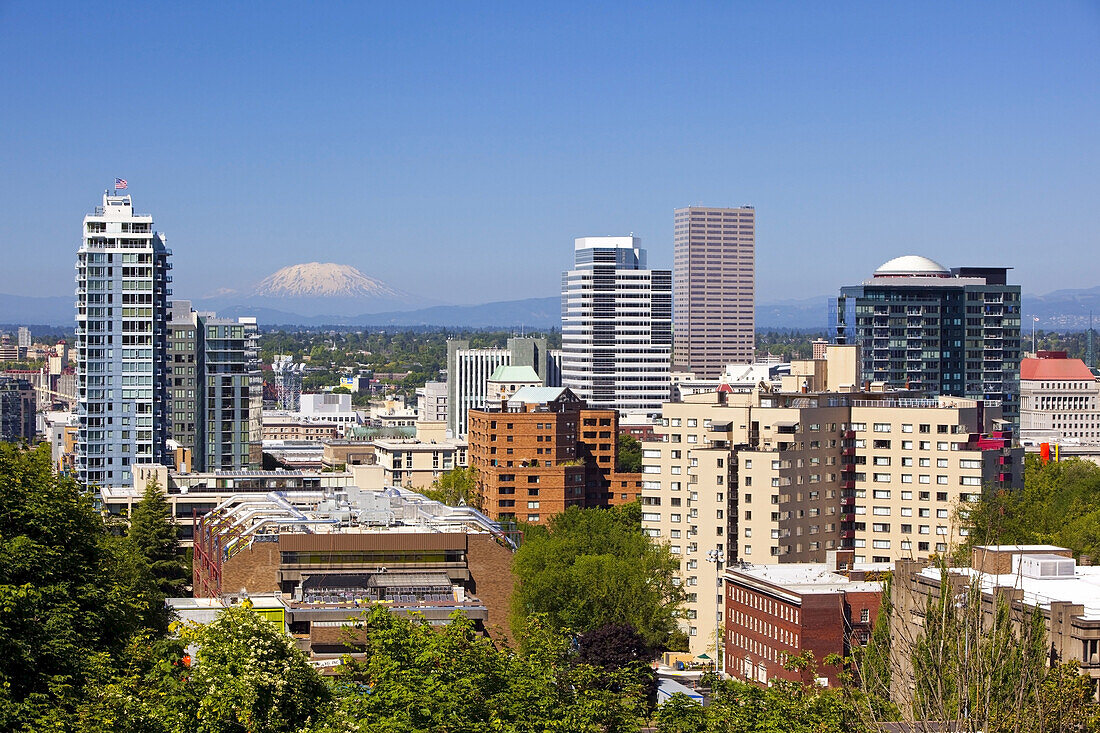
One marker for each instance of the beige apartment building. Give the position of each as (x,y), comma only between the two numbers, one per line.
(416,462)
(768,476)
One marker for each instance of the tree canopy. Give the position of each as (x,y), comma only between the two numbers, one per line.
(595,567)
(156,539)
(72,595)
(1059,504)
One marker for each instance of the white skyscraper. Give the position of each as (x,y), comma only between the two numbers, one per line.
(121,343)
(616,326)
(24,337)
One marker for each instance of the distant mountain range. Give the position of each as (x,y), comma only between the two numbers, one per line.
(329,294)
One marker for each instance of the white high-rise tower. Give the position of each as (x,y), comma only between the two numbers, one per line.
(121,343)
(616,326)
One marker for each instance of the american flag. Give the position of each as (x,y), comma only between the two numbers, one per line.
(120,183)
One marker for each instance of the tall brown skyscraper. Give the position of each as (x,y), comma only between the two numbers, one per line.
(714,286)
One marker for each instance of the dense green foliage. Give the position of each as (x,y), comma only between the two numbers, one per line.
(72,595)
(156,539)
(594,567)
(1059,505)
(416,678)
(630,454)
(454,486)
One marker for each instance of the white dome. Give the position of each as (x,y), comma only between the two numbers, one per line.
(912,265)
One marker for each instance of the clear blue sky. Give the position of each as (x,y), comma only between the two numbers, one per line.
(455,149)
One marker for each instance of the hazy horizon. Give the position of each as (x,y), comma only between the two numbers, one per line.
(454,152)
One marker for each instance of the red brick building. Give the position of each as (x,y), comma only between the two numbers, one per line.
(542,451)
(774,612)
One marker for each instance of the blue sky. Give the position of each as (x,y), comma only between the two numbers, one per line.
(455,149)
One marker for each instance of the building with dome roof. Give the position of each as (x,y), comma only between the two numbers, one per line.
(942,331)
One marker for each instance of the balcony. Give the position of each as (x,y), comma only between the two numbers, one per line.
(847,484)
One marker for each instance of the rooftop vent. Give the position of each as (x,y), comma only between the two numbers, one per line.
(1046,567)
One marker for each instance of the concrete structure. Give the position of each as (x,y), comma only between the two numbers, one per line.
(774,612)
(192,494)
(24,340)
(431,402)
(714,287)
(328,408)
(279,425)
(9,350)
(921,326)
(121,342)
(544,450)
(216,389)
(329,554)
(616,326)
(1028,577)
(1059,400)
(785,475)
(416,462)
(342,452)
(17,410)
(468,372)
(505,381)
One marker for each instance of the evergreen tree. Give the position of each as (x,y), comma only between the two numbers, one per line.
(156,538)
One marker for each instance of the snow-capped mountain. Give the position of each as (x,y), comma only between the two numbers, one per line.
(321,280)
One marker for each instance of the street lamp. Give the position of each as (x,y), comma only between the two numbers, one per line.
(715,556)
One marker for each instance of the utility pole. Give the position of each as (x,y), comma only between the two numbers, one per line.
(715,557)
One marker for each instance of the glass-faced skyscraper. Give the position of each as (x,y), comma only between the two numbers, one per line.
(616,329)
(121,337)
(714,286)
(949,332)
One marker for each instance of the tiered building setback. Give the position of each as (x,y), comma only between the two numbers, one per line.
(616,326)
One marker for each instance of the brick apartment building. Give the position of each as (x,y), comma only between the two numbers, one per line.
(774,612)
(544,450)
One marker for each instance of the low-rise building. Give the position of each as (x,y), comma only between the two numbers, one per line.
(431,402)
(193,494)
(330,555)
(1059,400)
(1028,577)
(416,462)
(774,612)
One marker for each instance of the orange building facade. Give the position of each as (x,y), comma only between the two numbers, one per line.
(542,451)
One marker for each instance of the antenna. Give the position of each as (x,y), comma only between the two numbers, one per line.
(1090,355)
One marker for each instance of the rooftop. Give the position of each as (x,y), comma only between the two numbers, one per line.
(1082,588)
(538,395)
(519,374)
(911,265)
(1055,369)
(807,578)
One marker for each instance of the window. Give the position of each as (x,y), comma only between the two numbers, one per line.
(882,427)
(865,614)
(882,511)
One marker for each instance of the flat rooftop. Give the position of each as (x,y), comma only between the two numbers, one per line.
(1083,588)
(808,578)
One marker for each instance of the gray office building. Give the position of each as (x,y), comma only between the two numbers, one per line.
(215,389)
(468,372)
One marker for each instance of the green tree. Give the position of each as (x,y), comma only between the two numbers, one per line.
(630,454)
(681,714)
(248,676)
(156,538)
(596,567)
(453,486)
(72,596)
(341,390)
